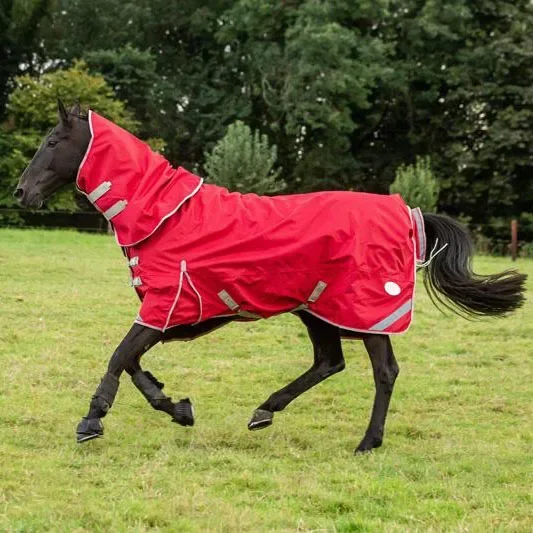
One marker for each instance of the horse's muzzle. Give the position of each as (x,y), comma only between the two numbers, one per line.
(25,200)
(19,194)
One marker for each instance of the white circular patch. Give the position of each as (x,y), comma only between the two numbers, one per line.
(392,288)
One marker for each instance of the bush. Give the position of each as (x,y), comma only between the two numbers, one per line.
(243,161)
(417,185)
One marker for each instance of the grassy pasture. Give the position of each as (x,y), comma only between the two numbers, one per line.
(457,454)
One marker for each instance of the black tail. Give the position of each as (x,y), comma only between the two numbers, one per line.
(450,281)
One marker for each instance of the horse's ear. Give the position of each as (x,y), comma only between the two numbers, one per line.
(63,113)
(76,109)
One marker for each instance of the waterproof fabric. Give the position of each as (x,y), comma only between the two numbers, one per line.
(197,251)
(145,180)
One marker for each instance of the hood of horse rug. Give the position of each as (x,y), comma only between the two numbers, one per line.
(198,251)
(132,186)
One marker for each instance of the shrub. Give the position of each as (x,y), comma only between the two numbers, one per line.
(243,161)
(417,185)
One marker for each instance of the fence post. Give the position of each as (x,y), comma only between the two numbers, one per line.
(514,239)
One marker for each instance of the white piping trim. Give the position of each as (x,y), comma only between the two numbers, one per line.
(236,316)
(89,146)
(141,323)
(355,329)
(180,287)
(163,219)
(199,298)
(188,339)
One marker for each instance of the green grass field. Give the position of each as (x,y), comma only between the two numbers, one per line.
(458,448)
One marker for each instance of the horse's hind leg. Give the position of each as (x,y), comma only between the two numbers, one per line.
(328,360)
(386,370)
(137,341)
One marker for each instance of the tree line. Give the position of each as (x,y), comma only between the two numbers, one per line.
(347,91)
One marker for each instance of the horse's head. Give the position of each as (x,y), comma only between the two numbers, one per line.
(57,160)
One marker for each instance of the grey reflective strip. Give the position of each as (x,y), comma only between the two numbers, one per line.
(228,300)
(317,291)
(136,281)
(115,209)
(247,314)
(386,322)
(301,307)
(99,191)
(419,221)
(134,261)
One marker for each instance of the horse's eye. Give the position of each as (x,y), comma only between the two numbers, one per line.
(52,143)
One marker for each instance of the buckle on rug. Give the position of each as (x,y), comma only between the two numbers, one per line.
(320,287)
(136,281)
(97,193)
(235,307)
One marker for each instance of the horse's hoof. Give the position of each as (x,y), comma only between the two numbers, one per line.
(183,413)
(260,419)
(89,429)
(368,444)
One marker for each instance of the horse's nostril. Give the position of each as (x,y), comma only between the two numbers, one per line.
(18,194)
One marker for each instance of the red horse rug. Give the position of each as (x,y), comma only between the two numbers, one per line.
(197,251)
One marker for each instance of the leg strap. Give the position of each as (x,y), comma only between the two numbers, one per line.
(106,392)
(144,381)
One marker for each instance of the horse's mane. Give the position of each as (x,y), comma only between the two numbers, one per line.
(81,115)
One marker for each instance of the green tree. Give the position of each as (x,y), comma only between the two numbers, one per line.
(243,161)
(417,185)
(190,100)
(132,75)
(19,23)
(465,75)
(33,104)
(32,111)
(346,89)
(309,70)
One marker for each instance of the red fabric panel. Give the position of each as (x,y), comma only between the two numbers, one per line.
(267,253)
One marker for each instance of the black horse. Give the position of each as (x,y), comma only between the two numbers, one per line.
(448,279)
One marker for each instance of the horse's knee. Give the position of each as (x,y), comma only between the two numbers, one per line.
(150,389)
(395,369)
(387,375)
(327,369)
(104,395)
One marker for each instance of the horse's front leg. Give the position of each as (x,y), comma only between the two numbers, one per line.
(152,389)
(386,370)
(126,357)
